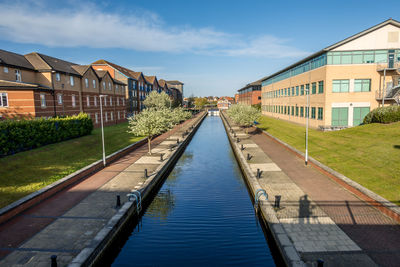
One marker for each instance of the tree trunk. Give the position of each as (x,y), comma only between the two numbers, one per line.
(149,143)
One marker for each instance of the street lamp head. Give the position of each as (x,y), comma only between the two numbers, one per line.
(102,96)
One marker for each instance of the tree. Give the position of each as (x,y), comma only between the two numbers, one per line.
(157,100)
(243,115)
(200,102)
(149,123)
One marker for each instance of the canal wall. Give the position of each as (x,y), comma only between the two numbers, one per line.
(92,254)
(286,247)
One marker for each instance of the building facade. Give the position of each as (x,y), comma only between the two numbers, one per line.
(342,82)
(250,94)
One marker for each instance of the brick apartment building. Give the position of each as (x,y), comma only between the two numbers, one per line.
(37,85)
(250,94)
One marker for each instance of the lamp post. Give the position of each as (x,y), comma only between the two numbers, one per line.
(307,118)
(102,128)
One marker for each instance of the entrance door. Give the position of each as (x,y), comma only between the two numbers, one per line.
(340,116)
(391,59)
(359,114)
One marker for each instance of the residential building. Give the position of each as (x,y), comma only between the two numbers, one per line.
(343,81)
(236,98)
(225,102)
(179,87)
(250,94)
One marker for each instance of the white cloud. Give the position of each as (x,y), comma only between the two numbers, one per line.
(88,26)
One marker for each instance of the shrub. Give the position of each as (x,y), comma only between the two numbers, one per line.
(383,115)
(20,135)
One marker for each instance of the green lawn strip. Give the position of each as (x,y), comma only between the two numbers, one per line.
(367,154)
(26,172)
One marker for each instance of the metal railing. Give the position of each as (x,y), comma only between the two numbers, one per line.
(381,66)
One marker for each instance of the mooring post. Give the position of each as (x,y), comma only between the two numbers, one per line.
(53,260)
(277,201)
(238,140)
(242,147)
(258,173)
(161,157)
(177,140)
(145,173)
(118,201)
(248,156)
(234,135)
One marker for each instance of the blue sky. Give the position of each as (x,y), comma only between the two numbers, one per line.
(214,47)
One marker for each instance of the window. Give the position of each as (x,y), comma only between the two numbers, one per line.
(340,116)
(5,69)
(105,101)
(104,85)
(292,91)
(297,90)
(106,116)
(292,110)
(297,111)
(286,92)
(320,113)
(3,100)
(94,83)
(123,101)
(358,115)
(119,115)
(58,77)
(362,85)
(60,99)
(301,111)
(307,89)
(95,100)
(109,86)
(117,101)
(110,100)
(307,111)
(71,80)
(112,115)
(320,87)
(302,90)
(96,116)
(116,87)
(86,83)
(340,86)
(88,101)
(73,101)
(313,113)
(43,100)
(285,111)
(18,75)
(314,88)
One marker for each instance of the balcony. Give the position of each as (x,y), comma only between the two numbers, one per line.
(392,93)
(391,66)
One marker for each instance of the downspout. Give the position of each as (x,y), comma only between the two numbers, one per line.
(53,93)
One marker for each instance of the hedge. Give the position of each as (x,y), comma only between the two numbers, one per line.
(383,115)
(20,135)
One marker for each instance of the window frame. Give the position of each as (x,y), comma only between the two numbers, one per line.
(2,96)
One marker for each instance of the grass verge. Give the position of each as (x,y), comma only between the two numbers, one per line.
(26,172)
(367,154)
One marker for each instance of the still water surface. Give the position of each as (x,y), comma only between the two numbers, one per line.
(202,215)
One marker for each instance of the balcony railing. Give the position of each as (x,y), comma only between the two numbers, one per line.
(388,66)
(390,92)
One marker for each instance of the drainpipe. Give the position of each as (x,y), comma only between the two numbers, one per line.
(53,93)
(384,86)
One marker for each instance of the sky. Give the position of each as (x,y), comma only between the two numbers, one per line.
(214,47)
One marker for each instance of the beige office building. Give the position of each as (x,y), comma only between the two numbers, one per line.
(345,80)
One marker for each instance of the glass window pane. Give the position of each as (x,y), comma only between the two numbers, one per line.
(346,59)
(336,59)
(368,57)
(357,58)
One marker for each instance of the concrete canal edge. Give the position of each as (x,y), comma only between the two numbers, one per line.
(385,206)
(92,254)
(287,249)
(36,197)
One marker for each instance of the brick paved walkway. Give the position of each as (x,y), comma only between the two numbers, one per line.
(376,234)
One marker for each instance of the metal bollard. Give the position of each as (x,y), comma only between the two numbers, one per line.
(242,147)
(170,147)
(53,260)
(183,135)
(118,201)
(177,140)
(145,173)
(248,156)
(320,263)
(258,173)
(277,201)
(238,140)
(234,135)
(161,157)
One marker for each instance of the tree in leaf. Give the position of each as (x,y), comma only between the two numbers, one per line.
(243,115)
(157,100)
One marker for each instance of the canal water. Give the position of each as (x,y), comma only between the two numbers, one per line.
(202,215)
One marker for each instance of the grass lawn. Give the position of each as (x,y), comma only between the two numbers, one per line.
(368,154)
(26,172)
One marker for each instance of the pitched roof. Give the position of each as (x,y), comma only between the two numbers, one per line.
(118,82)
(101,73)
(44,62)
(258,82)
(125,71)
(21,85)
(162,83)
(14,59)
(335,45)
(175,82)
(151,79)
(81,69)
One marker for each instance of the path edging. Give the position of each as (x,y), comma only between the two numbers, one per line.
(22,204)
(393,209)
(288,251)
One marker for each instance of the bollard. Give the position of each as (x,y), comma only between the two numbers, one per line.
(118,201)
(53,260)
(277,201)
(183,135)
(248,156)
(145,173)
(238,140)
(161,157)
(242,147)
(258,173)
(177,140)
(170,147)
(234,135)
(320,263)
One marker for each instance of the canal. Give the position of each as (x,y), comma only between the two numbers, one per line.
(202,214)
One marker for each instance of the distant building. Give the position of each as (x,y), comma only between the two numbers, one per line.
(250,94)
(344,81)
(236,98)
(177,85)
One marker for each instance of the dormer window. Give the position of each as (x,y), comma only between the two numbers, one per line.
(5,69)
(104,85)
(109,86)
(58,77)
(18,75)
(71,80)
(86,83)
(94,83)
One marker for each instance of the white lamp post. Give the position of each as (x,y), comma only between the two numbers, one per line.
(308,117)
(102,128)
